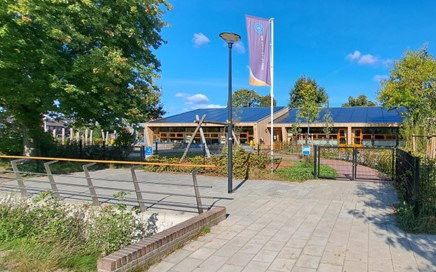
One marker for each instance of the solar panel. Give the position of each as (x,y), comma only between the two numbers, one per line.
(220,115)
(339,115)
(351,115)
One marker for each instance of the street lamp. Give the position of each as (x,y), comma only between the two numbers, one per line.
(230,39)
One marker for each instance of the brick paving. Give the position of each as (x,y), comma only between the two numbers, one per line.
(321,225)
(344,170)
(312,226)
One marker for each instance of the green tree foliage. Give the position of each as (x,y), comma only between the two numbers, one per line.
(328,124)
(90,60)
(250,98)
(245,98)
(265,101)
(308,97)
(412,85)
(360,101)
(307,88)
(11,141)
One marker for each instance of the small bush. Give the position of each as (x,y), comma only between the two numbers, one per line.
(411,221)
(245,164)
(415,181)
(43,233)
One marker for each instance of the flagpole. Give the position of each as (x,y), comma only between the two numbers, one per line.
(272,90)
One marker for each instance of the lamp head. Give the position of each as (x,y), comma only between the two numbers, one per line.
(230,38)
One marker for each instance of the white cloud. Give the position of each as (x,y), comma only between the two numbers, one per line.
(367,59)
(214,106)
(354,56)
(239,47)
(199,39)
(364,59)
(380,78)
(197,101)
(388,62)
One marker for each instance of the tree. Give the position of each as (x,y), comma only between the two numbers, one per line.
(328,124)
(299,93)
(92,61)
(250,98)
(245,98)
(11,141)
(265,101)
(412,85)
(360,101)
(308,97)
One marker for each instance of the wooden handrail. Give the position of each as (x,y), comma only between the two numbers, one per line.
(109,161)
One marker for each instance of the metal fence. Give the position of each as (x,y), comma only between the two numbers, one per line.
(89,186)
(415,180)
(355,163)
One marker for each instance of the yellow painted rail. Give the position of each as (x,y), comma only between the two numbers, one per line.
(110,162)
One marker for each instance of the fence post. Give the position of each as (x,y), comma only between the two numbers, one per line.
(354,164)
(318,153)
(142,151)
(137,189)
(197,192)
(20,179)
(393,169)
(416,178)
(50,177)
(90,185)
(315,161)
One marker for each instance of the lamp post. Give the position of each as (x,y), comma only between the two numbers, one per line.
(230,39)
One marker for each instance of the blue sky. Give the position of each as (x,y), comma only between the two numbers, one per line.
(346,46)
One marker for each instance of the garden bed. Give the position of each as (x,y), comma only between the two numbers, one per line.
(247,165)
(43,233)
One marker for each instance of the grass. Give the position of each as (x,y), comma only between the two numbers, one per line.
(204,230)
(415,223)
(46,234)
(34,255)
(302,171)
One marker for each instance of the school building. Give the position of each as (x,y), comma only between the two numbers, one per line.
(353,126)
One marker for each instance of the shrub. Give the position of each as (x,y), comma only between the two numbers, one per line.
(124,143)
(417,209)
(45,231)
(245,164)
(411,221)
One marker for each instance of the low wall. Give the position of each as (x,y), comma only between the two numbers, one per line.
(161,244)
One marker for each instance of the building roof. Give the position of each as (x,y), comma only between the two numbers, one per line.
(350,115)
(240,115)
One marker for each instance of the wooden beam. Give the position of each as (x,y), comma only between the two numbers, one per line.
(203,139)
(192,138)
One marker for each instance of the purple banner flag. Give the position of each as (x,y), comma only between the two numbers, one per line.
(259,45)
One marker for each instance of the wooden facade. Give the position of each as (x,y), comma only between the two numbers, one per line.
(344,133)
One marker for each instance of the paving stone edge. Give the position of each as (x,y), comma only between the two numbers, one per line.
(154,248)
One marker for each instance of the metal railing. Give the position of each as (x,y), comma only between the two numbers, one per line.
(29,183)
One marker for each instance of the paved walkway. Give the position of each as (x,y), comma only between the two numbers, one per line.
(323,225)
(312,226)
(344,170)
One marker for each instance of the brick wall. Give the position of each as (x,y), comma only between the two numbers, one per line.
(157,246)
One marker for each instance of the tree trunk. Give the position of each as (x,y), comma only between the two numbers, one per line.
(35,140)
(308,133)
